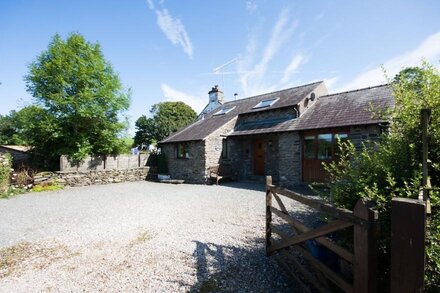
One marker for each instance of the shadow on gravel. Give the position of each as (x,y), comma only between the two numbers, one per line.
(237,269)
(248,185)
(260,186)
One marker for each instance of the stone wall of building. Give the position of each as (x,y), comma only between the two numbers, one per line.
(364,135)
(283,155)
(191,169)
(289,147)
(242,154)
(214,145)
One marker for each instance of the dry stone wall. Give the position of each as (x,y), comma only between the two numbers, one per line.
(84,178)
(120,162)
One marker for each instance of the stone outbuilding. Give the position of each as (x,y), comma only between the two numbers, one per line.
(287,134)
(20,154)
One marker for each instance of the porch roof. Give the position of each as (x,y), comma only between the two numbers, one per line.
(335,110)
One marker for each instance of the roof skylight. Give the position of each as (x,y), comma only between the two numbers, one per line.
(266,103)
(224,111)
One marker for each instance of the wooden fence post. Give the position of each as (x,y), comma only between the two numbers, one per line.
(268,213)
(365,248)
(408,228)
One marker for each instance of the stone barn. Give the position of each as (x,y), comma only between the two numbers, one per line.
(287,134)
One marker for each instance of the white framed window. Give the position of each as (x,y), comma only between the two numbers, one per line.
(266,103)
(224,111)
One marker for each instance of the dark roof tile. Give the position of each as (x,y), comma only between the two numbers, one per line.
(335,110)
(200,129)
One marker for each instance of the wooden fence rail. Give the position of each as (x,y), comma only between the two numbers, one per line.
(363,258)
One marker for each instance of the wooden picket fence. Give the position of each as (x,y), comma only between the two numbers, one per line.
(308,271)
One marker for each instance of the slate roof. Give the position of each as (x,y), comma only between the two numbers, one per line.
(334,110)
(200,129)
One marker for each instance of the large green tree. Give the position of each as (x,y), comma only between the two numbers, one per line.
(167,117)
(10,129)
(79,101)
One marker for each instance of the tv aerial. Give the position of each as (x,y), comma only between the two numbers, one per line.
(220,69)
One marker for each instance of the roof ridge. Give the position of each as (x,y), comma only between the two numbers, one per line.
(356,90)
(256,96)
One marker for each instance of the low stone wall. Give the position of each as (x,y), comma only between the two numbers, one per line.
(94,163)
(84,178)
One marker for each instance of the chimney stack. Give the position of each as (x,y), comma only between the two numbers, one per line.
(216,95)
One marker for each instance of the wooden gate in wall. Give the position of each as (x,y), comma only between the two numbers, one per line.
(289,243)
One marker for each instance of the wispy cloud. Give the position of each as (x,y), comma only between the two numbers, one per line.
(173,29)
(251,6)
(428,49)
(292,68)
(174,95)
(254,73)
(330,82)
(150,4)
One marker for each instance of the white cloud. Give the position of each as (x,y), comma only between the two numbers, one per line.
(173,95)
(292,68)
(251,6)
(429,49)
(330,82)
(150,4)
(280,34)
(174,30)
(254,74)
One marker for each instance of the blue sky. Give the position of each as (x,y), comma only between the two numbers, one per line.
(167,50)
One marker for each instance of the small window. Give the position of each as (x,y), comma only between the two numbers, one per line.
(266,103)
(342,137)
(312,97)
(224,148)
(309,147)
(182,151)
(325,146)
(224,111)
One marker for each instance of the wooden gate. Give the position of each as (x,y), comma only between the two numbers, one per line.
(299,262)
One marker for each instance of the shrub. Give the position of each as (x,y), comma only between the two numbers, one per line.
(392,168)
(47,186)
(5,170)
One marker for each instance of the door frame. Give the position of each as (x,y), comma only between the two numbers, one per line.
(254,157)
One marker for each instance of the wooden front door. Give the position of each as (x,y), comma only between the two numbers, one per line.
(258,157)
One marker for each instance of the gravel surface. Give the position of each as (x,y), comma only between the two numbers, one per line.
(138,236)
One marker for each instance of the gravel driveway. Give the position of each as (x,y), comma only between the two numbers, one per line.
(138,236)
